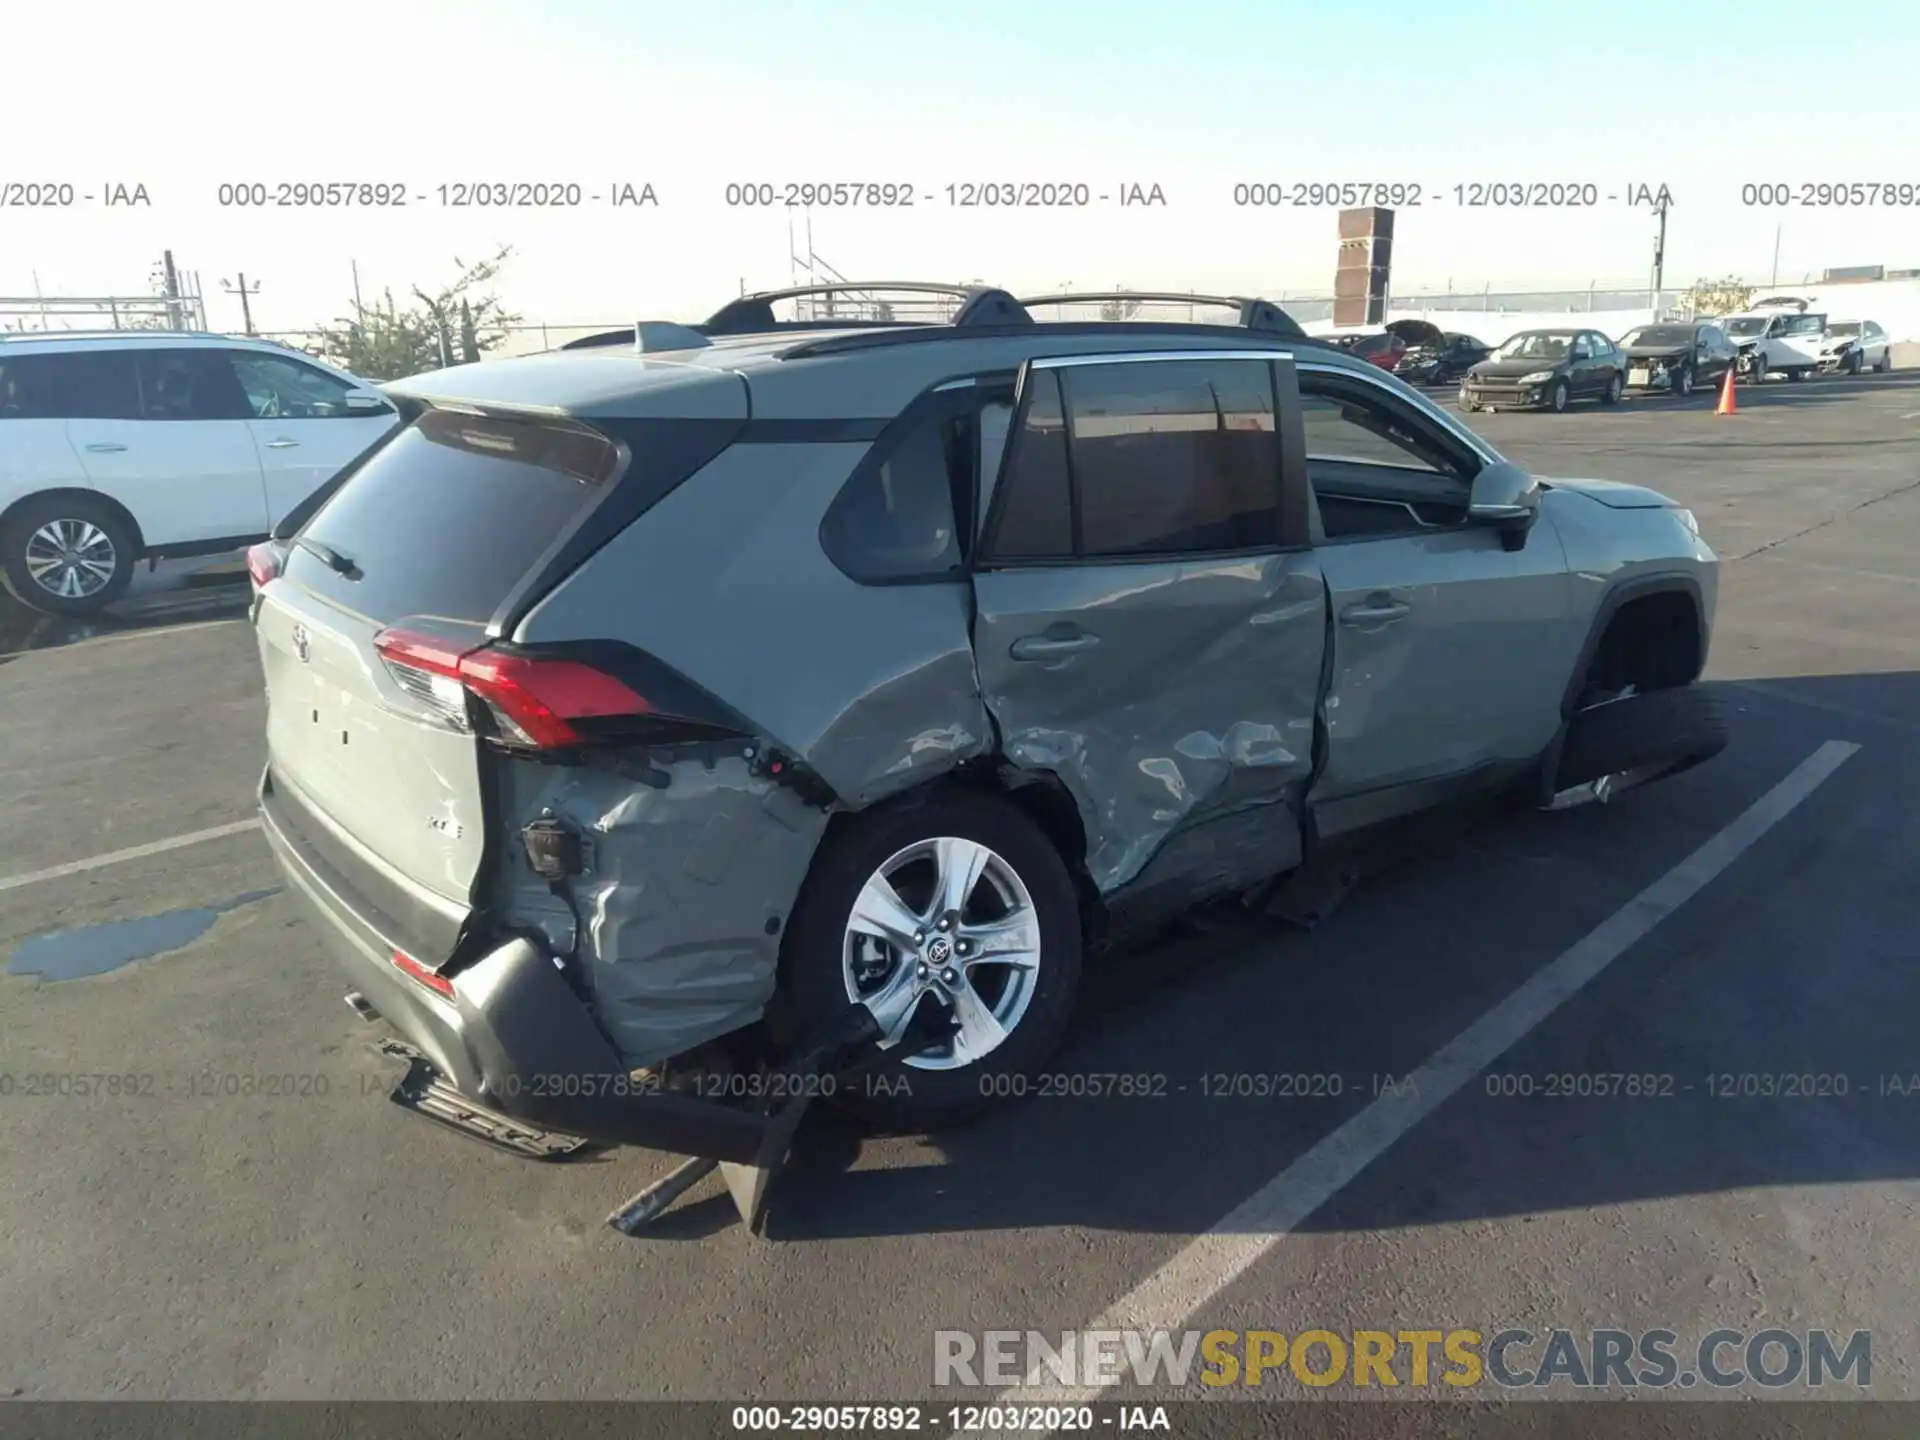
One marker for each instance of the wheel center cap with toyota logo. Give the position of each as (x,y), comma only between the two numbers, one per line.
(939,950)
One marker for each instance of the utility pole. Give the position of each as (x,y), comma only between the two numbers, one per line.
(242,290)
(170,280)
(1776,258)
(1660,252)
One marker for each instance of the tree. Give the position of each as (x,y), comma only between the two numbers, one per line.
(1720,297)
(453,325)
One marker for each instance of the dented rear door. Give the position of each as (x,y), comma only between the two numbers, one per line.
(1146,629)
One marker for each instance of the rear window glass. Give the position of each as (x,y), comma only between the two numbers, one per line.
(26,388)
(452,514)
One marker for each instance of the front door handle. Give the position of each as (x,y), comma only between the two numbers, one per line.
(1052,645)
(106,447)
(1374,609)
(283,443)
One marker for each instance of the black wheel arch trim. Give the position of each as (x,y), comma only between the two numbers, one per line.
(1617,598)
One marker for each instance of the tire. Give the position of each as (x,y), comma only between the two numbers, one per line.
(1673,729)
(1884,364)
(1797,374)
(1759,373)
(94,532)
(1683,382)
(1558,396)
(1615,388)
(1853,362)
(822,946)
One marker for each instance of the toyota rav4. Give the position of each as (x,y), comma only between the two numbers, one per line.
(708,700)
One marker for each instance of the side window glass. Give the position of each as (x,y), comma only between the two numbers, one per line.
(26,388)
(1036,505)
(96,385)
(280,389)
(189,385)
(1349,429)
(1376,470)
(1174,457)
(895,519)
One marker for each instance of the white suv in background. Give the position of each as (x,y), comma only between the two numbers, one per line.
(119,446)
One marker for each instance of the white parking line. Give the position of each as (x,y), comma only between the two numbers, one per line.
(132,852)
(1211,1262)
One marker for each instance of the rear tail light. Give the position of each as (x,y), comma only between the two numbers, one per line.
(415,971)
(541,702)
(264,562)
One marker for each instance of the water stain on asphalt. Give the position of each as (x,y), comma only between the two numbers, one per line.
(195,598)
(96,949)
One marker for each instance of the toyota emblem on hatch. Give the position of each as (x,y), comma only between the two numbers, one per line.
(302,645)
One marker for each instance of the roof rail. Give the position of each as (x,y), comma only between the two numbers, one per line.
(1255,314)
(129,333)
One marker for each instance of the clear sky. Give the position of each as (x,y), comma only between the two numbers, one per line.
(1194,97)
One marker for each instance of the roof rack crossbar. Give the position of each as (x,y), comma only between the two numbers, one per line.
(753,314)
(1255,313)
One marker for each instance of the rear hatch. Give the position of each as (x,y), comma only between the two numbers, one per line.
(377,702)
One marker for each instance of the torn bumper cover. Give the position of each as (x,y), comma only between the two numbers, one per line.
(512,1036)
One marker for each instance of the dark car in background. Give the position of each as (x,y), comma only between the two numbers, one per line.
(1678,356)
(1546,370)
(1381,347)
(1435,356)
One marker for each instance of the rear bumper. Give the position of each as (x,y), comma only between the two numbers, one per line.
(513,1036)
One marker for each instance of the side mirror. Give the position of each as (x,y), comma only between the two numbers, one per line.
(1507,499)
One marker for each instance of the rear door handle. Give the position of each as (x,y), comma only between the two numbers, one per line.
(283,443)
(1374,609)
(1052,645)
(106,447)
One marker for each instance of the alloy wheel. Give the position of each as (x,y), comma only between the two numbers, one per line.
(944,922)
(71,559)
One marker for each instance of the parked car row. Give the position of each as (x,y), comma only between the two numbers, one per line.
(1551,368)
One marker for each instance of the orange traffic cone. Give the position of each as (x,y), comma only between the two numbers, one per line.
(1727,405)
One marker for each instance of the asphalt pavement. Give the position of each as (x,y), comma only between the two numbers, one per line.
(200,1238)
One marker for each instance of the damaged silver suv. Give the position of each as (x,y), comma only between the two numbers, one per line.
(704,705)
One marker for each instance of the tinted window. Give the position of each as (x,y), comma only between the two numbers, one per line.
(26,387)
(278,388)
(452,514)
(90,385)
(1172,457)
(895,519)
(189,385)
(1036,505)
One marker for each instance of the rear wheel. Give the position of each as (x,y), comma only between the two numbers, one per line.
(67,554)
(953,919)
